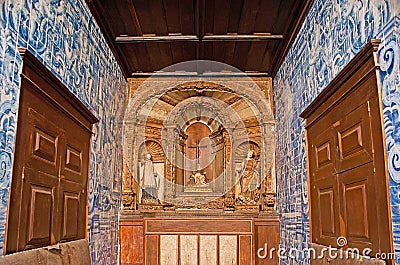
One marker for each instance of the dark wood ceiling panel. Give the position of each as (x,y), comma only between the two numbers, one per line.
(266,17)
(177,54)
(230,47)
(186,9)
(268,55)
(219,51)
(248,16)
(173,18)
(209,16)
(221,18)
(148,35)
(234,16)
(143,11)
(155,58)
(125,26)
(254,59)
(189,51)
(240,57)
(283,10)
(131,56)
(143,57)
(158,17)
(208,51)
(166,54)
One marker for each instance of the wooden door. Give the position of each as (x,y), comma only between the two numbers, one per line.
(49,186)
(347,166)
(342,176)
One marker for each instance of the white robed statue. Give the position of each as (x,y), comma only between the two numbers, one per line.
(148,177)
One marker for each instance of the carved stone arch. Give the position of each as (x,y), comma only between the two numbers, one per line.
(213,125)
(155,87)
(198,107)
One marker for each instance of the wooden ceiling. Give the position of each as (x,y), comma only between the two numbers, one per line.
(149,35)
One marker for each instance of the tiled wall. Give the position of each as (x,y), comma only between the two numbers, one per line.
(333,32)
(64,36)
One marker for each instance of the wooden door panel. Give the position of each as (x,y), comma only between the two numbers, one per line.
(73,160)
(44,143)
(38,207)
(327,210)
(324,210)
(40,215)
(322,153)
(73,211)
(44,146)
(74,165)
(354,139)
(359,218)
(70,215)
(355,197)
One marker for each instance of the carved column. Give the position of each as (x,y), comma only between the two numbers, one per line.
(218,164)
(180,157)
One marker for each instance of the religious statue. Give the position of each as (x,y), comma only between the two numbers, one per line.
(246,173)
(148,178)
(197,178)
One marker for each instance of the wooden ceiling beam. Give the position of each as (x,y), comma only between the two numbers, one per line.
(160,74)
(228,37)
(168,38)
(240,37)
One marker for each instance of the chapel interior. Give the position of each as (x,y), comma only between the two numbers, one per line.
(199,132)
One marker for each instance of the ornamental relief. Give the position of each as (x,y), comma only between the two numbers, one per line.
(202,155)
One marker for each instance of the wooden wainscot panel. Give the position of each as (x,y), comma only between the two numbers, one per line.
(198,226)
(152,250)
(245,249)
(131,236)
(266,238)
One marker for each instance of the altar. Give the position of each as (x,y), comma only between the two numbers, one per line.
(198,156)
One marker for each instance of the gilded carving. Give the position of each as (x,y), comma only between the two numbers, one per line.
(268,201)
(182,188)
(129,200)
(229,201)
